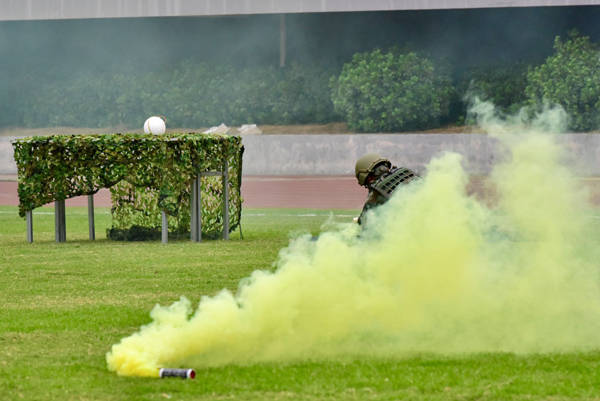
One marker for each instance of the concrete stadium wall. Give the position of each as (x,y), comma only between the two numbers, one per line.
(335,154)
(7,162)
(67,9)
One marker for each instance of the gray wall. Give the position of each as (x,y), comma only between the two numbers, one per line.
(66,9)
(335,154)
(7,163)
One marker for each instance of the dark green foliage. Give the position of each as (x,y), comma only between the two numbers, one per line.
(139,233)
(503,85)
(379,91)
(570,78)
(189,95)
(376,91)
(146,174)
(134,233)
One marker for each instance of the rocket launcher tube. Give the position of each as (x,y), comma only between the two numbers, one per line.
(183,373)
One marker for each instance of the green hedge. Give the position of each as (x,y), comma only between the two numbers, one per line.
(503,85)
(375,91)
(391,91)
(146,174)
(570,78)
(189,95)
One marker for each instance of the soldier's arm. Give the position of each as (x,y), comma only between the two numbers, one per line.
(369,204)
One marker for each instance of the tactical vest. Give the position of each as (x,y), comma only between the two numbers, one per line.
(387,183)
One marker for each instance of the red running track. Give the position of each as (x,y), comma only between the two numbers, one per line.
(320,192)
(315,192)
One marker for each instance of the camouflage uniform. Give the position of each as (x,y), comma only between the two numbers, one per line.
(381,178)
(374,199)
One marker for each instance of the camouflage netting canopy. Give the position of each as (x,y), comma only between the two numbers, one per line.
(145,173)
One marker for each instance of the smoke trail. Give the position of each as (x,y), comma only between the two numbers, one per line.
(435,271)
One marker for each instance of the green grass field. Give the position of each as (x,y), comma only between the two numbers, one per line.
(64,305)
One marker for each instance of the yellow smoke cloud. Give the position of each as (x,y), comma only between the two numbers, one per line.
(434,271)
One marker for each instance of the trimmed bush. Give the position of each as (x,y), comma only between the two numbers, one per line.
(379,91)
(570,78)
(503,85)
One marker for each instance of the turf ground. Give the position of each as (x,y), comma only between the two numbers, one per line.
(64,305)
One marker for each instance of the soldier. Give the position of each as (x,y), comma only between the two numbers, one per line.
(377,174)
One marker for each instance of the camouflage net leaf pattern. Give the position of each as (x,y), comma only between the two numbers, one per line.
(146,174)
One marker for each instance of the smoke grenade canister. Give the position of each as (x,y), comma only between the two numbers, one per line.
(183,373)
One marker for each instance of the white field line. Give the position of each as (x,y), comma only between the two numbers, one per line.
(243,214)
(52,213)
(295,215)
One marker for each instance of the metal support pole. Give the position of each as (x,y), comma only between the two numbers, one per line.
(57,221)
(91,224)
(199,208)
(194,211)
(60,226)
(29,217)
(165,228)
(196,223)
(225,200)
(282,40)
(63,212)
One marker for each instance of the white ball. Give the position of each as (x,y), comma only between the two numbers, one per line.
(155,125)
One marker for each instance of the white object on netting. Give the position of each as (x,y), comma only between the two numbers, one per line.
(155,125)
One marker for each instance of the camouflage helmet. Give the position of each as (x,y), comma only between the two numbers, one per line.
(366,164)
